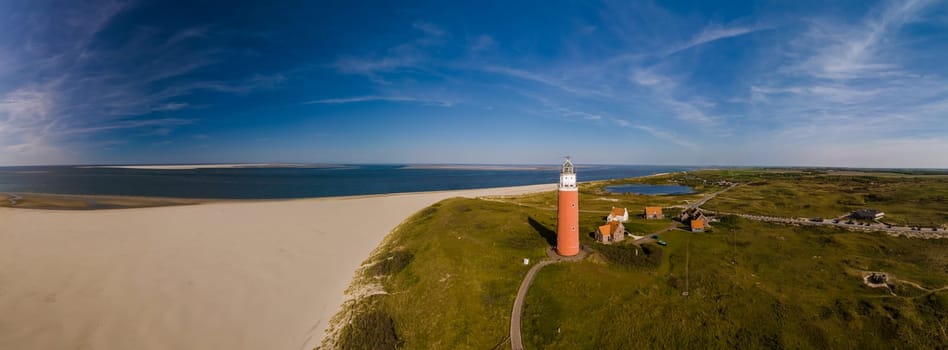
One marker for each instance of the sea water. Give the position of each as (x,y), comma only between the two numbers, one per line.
(291,182)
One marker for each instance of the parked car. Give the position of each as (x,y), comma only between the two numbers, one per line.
(662,243)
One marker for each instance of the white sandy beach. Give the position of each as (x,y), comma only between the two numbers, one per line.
(238,275)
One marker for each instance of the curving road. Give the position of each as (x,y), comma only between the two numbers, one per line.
(516,342)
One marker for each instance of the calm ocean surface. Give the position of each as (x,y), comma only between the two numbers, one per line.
(260,183)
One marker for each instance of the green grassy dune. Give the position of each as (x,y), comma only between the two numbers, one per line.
(906,200)
(750,285)
(450,274)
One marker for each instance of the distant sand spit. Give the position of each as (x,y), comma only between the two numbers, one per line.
(207,166)
(479,167)
(232,275)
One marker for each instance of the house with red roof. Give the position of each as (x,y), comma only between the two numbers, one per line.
(618,214)
(613,231)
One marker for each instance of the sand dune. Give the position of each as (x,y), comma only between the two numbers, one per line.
(238,275)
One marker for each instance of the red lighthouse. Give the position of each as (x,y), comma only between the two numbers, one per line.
(567,222)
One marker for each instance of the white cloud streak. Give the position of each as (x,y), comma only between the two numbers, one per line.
(665,90)
(846,52)
(713,33)
(667,136)
(76,87)
(545,80)
(566,112)
(375,98)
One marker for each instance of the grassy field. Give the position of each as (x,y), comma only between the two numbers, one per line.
(751,285)
(450,274)
(919,200)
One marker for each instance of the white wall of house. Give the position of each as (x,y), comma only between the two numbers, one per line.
(623,218)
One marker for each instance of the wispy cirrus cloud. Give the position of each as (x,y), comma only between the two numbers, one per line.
(411,55)
(544,79)
(668,136)
(573,113)
(810,77)
(160,126)
(666,90)
(377,98)
(711,80)
(843,51)
(713,33)
(76,84)
(855,81)
(482,42)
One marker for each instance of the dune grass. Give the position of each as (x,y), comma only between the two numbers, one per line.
(466,264)
(450,274)
(751,285)
(919,200)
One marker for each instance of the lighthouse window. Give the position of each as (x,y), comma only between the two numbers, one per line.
(572,205)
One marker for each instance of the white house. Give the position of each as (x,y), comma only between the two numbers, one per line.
(618,214)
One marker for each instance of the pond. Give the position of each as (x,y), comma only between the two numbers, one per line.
(649,189)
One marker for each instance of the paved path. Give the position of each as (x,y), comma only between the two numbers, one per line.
(705,199)
(516,343)
(648,238)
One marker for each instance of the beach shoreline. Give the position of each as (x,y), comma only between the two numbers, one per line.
(481,167)
(239,274)
(204,166)
(49,201)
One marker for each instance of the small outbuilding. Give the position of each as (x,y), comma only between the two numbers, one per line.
(698,225)
(618,214)
(691,214)
(611,232)
(654,213)
(867,214)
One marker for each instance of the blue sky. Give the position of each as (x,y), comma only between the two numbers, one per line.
(861,83)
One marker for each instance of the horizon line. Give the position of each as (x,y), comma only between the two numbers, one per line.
(710,166)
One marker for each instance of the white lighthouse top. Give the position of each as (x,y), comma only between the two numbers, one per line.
(568,167)
(568,176)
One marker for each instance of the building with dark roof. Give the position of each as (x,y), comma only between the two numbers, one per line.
(867,214)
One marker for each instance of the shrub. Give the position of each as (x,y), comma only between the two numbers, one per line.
(391,263)
(651,256)
(730,221)
(369,330)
